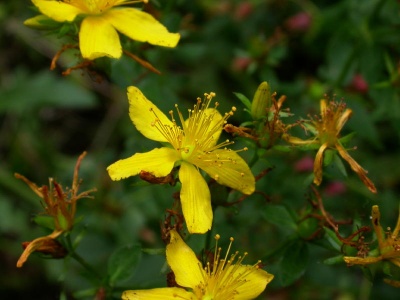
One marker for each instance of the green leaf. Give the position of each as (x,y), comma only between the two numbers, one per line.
(283,148)
(328,157)
(65,28)
(386,268)
(37,90)
(308,227)
(333,239)
(244,100)
(44,221)
(347,138)
(294,262)
(280,216)
(122,263)
(307,147)
(339,164)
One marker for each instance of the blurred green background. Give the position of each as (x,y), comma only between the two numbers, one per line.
(347,49)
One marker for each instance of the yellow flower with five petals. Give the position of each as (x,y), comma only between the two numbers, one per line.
(192,145)
(223,279)
(102,19)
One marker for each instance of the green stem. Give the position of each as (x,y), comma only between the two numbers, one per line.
(80,260)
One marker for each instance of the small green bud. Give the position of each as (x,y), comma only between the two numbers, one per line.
(41,22)
(261,101)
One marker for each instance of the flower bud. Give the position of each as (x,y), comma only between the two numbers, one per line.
(261,101)
(41,22)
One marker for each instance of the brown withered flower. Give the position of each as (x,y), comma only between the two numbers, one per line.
(327,130)
(388,246)
(60,204)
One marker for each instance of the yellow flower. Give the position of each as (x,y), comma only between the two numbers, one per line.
(192,145)
(389,246)
(225,278)
(327,129)
(61,206)
(102,19)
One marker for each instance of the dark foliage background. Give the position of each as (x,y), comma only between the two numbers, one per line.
(346,49)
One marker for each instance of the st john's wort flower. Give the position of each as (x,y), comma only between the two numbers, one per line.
(101,22)
(224,278)
(192,146)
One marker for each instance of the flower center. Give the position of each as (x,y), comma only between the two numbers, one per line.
(187,151)
(199,133)
(223,277)
(333,117)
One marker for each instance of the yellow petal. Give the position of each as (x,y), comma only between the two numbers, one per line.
(158,294)
(183,262)
(58,10)
(343,119)
(34,245)
(141,26)
(195,199)
(356,168)
(159,162)
(255,284)
(318,164)
(143,118)
(38,191)
(227,168)
(216,124)
(97,38)
(361,260)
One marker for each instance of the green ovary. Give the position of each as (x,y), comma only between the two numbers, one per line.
(186,152)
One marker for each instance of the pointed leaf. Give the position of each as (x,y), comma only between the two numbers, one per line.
(122,263)
(244,100)
(294,262)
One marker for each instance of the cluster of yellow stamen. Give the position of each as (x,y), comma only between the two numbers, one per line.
(333,117)
(198,134)
(222,277)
